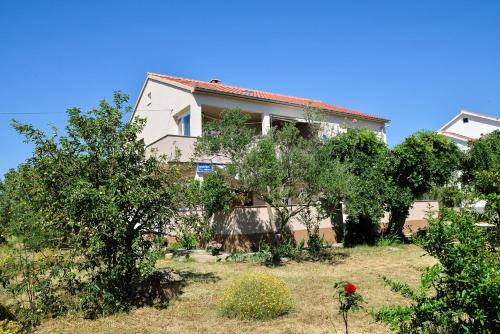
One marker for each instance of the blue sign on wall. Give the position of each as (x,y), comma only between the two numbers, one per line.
(204,168)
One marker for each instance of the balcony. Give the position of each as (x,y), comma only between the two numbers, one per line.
(169,144)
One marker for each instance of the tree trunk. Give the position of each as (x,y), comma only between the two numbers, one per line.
(397,221)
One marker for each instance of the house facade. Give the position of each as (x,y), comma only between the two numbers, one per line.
(468,126)
(176,109)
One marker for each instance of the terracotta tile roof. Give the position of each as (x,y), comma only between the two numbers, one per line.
(220,88)
(453,134)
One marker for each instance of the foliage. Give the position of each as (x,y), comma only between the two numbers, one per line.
(460,293)
(387,241)
(188,241)
(451,196)
(95,192)
(394,317)
(289,250)
(315,243)
(421,162)
(312,221)
(280,168)
(255,296)
(198,203)
(349,300)
(365,154)
(10,327)
(264,253)
(483,155)
(37,282)
(482,170)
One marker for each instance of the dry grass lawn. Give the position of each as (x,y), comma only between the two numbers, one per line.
(311,282)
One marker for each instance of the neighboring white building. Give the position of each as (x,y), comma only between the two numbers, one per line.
(467,126)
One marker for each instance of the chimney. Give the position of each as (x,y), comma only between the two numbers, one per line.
(215,81)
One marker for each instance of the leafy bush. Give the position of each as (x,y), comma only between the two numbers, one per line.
(264,253)
(10,327)
(289,250)
(389,240)
(188,241)
(460,293)
(312,222)
(315,243)
(256,296)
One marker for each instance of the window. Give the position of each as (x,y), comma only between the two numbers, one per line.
(465,119)
(149,98)
(186,125)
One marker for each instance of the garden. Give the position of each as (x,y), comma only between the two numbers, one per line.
(84,225)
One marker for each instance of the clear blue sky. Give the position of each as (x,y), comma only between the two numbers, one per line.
(415,62)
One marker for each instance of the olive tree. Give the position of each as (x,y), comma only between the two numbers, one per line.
(280,168)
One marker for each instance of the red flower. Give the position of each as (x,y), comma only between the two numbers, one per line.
(350,288)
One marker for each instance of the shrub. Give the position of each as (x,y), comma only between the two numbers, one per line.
(315,243)
(256,296)
(460,293)
(9,327)
(188,241)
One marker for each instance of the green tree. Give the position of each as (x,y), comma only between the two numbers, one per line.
(364,154)
(482,169)
(422,161)
(280,168)
(99,192)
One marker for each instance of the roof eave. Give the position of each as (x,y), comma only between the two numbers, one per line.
(157,77)
(338,112)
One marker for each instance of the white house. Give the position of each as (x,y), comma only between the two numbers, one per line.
(176,110)
(467,126)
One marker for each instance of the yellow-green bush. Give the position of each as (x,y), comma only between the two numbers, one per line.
(255,296)
(9,327)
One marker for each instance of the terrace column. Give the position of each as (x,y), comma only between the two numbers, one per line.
(196,120)
(266,123)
